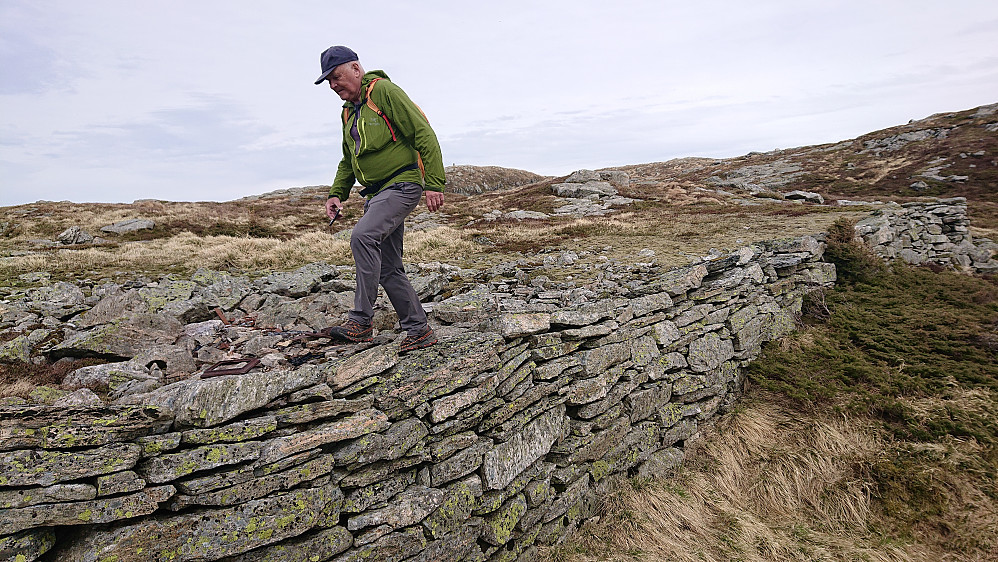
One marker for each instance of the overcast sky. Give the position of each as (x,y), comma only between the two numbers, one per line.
(214,99)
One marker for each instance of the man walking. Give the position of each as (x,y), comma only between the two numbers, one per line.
(390,149)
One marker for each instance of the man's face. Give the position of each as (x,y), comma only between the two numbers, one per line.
(345,80)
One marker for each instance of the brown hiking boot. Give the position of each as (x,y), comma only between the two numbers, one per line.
(351,330)
(417,339)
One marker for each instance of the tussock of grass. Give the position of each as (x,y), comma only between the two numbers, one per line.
(765,486)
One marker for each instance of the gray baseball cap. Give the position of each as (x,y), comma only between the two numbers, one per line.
(333,57)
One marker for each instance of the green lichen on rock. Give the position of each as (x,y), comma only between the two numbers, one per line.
(498,528)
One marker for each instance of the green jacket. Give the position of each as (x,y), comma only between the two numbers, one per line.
(379,157)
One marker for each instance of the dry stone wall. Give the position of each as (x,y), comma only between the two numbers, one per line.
(539,398)
(497,440)
(936,232)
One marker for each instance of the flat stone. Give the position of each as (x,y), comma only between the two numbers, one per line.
(463,360)
(48,427)
(119,483)
(361,423)
(212,534)
(499,525)
(661,463)
(407,508)
(507,460)
(231,433)
(394,443)
(258,487)
(367,363)
(393,547)
(128,225)
(518,324)
(598,360)
(45,467)
(314,411)
(463,463)
(321,545)
(172,466)
(85,512)
(26,546)
(361,499)
(473,306)
(213,401)
(23,497)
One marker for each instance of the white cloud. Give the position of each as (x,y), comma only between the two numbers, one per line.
(113,100)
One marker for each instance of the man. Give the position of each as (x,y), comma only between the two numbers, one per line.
(390,149)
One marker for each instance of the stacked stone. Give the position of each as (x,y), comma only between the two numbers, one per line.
(591,193)
(500,439)
(936,232)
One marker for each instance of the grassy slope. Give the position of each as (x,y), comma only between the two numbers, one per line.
(868,435)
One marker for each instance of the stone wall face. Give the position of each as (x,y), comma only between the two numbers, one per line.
(501,443)
(937,232)
(500,438)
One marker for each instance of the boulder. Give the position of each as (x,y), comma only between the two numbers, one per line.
(130,225)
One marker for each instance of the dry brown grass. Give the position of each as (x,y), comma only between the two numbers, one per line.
(766,485)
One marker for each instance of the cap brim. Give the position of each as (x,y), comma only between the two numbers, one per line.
(324,75)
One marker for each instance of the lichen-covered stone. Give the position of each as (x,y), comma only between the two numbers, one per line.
(361,423)
(23,497)
(46,467)
(458,502)
(399,439)
(325,409)
(461,544)
(320,545)
(518,324)
(210,535)
(231,433)
(661,463)
(509,459)
(155,445)
(361,499)
(499,525)
(596,361)
(169,467)
(367,363)
(424,375)
(407,508)
(83,513)
(643,404)
(255,488)
(210,402)
(62,428)
(460,464)
(390,548)
(26,546)
(584,315)
(709,352)
(119,483)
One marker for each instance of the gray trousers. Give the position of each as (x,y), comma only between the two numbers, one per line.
(376,244)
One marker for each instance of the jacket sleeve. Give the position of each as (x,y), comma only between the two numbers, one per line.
(415,129)
(344,180)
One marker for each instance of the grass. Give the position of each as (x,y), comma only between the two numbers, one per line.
(870,434)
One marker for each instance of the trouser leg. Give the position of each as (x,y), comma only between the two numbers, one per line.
(376,244)
(397,285)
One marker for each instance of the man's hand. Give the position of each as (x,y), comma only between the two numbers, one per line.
(434,200)
(332,204)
